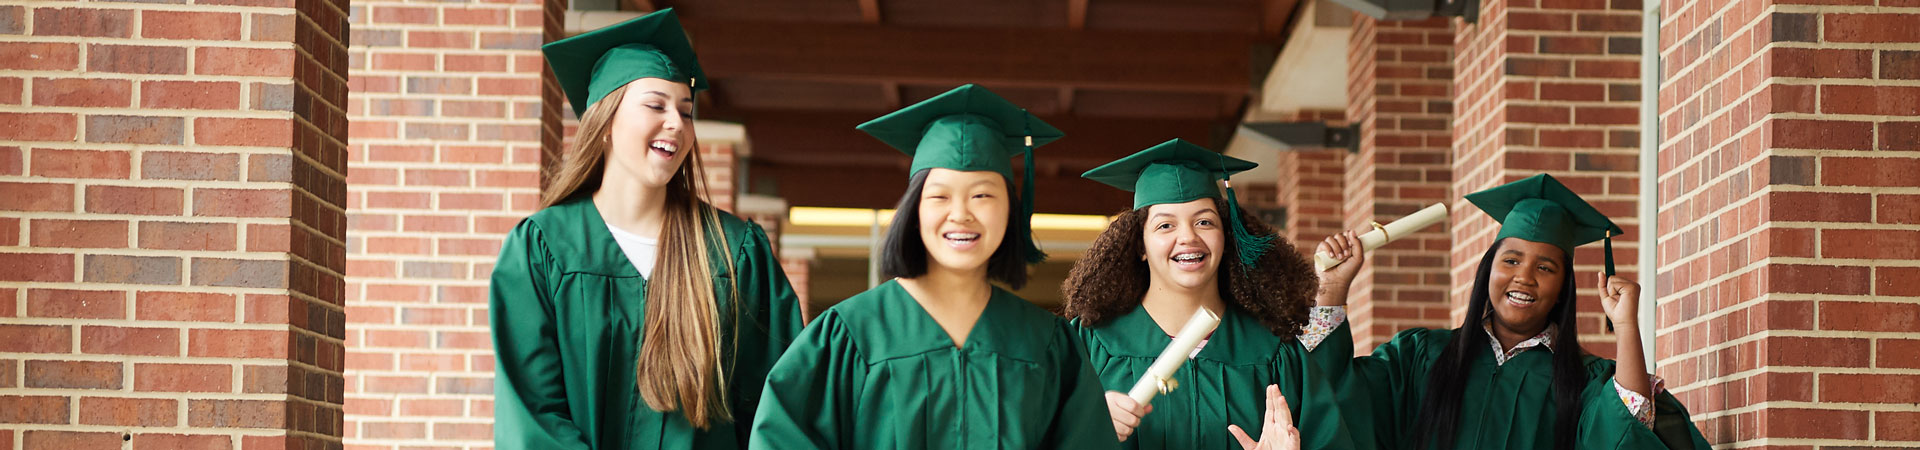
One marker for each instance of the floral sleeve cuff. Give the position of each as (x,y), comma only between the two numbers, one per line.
(1640,406)
(1321,320)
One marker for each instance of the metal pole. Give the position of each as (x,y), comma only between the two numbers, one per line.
(873,251)
(1649,177)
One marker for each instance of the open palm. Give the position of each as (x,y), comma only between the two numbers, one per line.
(1276,430)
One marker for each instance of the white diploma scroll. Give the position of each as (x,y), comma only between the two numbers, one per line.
(1384,234)
(1159,378)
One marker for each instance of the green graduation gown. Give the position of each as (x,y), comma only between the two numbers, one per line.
(1225,384)
(876,371)
(1506,406)
(567,308)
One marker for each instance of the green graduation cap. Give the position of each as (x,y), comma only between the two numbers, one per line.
(1178,171)
(970,129)
(593,64)
(1540,209)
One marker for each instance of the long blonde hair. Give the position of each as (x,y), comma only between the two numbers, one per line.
(679,367)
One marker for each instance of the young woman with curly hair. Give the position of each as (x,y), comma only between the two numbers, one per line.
(1183,248)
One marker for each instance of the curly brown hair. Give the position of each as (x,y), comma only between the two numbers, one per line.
(1111,278)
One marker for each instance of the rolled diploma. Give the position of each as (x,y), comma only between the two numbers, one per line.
(1396,230)
(1197,328)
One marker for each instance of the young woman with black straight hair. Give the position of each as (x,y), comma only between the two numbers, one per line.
(937,356)
(1513,375)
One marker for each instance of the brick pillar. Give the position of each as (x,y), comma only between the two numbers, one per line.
(717,159)
(1399,92)
(1549,86)
(1789,217)
(448,109)
(170,211)
(799,270)
(1257,195)
(1310,187)
(1317,205)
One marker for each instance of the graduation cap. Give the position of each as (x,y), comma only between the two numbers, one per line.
(1540,209)
(593,64)
(970,129)
(1178,172)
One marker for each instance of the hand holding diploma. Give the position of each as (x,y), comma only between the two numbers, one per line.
(1159,378)
(1385,234)
(1127,409)
(1126,413)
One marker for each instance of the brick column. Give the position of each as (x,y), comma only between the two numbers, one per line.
(799,270)
(1399,93)
(448,108)
(1310,187)
(171,200)
(1550,86)
(717,159)
(1789,220)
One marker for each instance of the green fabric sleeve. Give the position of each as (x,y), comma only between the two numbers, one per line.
(769,321)
(1605,422)
(1316,407)
(1081,420)
(808,401)
(1378,393)
(530,401)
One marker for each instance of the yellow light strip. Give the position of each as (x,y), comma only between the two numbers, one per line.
(851,217)
(1081,222)
(830,217)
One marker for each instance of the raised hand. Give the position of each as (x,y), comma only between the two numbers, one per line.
(1334,282)
(1276,431)
(1620,298)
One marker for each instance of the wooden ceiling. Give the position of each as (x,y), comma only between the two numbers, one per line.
(1116,75)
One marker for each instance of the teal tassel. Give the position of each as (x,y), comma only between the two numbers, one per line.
(1609,245)
(1025,230)
(1251,247)
(1610,272)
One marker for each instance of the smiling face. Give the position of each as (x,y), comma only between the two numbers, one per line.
(1524,284)
(651,131)
(1184,244)
(963,217)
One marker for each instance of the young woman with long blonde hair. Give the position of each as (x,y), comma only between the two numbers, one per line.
(628,312)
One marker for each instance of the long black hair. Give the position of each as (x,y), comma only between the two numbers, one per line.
(903,255)
(1440,409)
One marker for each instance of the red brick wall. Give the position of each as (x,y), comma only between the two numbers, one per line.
(799,271)
(1310,186)
(1790,220)
(448,125)
(717,159)
(1400,93)
(171,225)
(1549,86)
